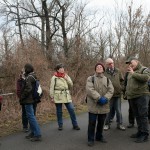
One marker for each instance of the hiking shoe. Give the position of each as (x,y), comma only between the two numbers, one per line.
(29,136)
(36,138)
(76,127)
(60,128)
(103,140)
(106,127)
(135,135)
(130,125)
(90,143)
(121,127)
(141,139)
(25,130)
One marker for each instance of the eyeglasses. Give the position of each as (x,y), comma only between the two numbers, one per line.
(110,63)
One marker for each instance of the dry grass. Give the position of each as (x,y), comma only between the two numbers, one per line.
(10,127)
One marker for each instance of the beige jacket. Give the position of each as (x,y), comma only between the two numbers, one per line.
(59,89)
(101,87)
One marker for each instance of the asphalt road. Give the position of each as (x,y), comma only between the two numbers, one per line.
(69,139)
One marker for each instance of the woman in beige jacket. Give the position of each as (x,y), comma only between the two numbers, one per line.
(60,94)
(99,90)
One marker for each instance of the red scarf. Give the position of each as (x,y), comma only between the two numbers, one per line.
(58,74)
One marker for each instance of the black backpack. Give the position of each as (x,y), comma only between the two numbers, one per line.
(148,83)
(37,91)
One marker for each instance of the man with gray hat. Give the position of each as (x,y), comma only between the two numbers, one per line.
(138,93)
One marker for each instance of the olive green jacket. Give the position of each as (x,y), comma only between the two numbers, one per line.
(59,89)
(101,87)
(137,83)
(117,81)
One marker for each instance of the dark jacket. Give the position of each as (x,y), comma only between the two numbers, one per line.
(117,81)
(27,91)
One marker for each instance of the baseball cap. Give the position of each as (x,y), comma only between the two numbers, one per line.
(130,59)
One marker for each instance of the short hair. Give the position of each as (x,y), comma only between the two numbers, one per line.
(109,60)
(28,68)
(58,66)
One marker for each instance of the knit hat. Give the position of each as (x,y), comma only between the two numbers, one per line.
(101,65)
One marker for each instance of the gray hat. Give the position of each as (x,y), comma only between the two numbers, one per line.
(130,59)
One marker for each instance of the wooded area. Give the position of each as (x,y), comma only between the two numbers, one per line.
(45,32)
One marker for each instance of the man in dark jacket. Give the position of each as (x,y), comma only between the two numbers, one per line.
(27,100)
(117,80)
(138,93)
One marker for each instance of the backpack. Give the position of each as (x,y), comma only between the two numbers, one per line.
(148,83)
(20,86)
(93,83)
(37,91)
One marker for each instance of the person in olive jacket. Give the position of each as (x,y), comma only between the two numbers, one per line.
(116,77)
(99,90)
(28,101)
(60,94)
(137,92)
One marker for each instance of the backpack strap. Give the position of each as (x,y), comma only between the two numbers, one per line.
(93,79)
(107,81)
(54,83)
(32,77)
(144,68)
(106,77)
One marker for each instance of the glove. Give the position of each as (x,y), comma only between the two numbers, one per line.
(102,101)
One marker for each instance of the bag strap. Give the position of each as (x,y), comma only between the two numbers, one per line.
(106,77)
(54,83)
(32,77)
(144,68)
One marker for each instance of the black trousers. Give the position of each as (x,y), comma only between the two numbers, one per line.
(96,121)
(140,109)
(131,116)
(149,109)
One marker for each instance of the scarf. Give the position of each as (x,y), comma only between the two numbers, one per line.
(58,74)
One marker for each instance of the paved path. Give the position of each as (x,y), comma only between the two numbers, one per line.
(69,139)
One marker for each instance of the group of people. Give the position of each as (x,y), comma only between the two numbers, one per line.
(59,95)
(103,89)
(104,99)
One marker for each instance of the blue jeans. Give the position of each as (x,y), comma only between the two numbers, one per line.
(100,119)
(140,109)
(24,116)
(35,129)
(115,103)
(70,109)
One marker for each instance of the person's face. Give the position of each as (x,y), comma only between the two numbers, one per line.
(61,70)
(99,69)
(110,64)
(133,64)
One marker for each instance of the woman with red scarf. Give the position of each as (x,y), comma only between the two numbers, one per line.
(60,94)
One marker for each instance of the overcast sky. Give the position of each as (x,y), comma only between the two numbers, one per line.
(110,4)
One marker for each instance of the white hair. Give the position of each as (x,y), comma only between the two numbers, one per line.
(109,60)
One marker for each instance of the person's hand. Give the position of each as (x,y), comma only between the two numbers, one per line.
(52,100)
(103,100)
(66,77)
(130,70)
